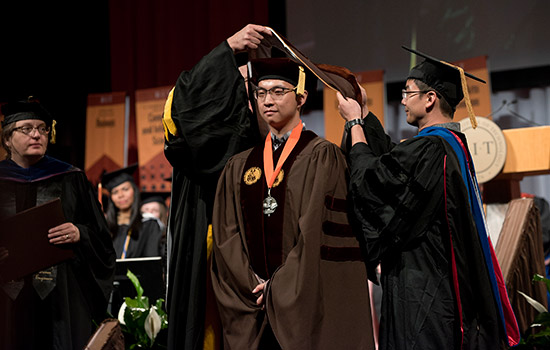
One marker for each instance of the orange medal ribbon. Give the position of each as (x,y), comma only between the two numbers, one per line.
(271,174)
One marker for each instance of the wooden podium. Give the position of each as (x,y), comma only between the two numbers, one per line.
(528,154)
(520,249)
(520,254)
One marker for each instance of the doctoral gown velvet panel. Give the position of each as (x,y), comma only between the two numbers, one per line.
(63,320)
(213,122)
(414,215)
(317,295)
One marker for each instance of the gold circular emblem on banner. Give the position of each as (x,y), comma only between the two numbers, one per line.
(279,178)
(252,175)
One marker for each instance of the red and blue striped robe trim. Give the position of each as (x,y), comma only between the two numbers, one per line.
(500,294)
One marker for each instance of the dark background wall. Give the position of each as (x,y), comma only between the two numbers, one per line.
(60,53)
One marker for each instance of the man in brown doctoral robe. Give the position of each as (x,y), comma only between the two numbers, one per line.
(287,270)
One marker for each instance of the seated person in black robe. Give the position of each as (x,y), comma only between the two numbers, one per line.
(54,308)
(419,215)
(134,236)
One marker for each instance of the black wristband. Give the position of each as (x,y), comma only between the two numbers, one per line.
(353,122)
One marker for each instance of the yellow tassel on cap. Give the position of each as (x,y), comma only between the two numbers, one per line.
(53,136)
(301,81)
(467,100)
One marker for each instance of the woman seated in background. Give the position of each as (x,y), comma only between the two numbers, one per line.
(133,236)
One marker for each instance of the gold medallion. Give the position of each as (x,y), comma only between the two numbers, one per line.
(252,175)
(279,178)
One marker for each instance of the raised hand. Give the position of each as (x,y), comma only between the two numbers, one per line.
(248,38)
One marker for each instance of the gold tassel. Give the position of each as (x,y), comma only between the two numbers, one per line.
(467,100)
(301,81)
(53,137)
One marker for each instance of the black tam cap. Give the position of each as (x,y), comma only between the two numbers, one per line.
(117,177)
(445,78)
(23,110)
(284,69)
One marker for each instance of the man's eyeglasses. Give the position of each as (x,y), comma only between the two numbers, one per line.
(406,94)
(276,93)
(27,130)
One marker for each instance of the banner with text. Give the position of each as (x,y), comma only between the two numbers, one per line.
(106,134)
(154,169)
(373,83)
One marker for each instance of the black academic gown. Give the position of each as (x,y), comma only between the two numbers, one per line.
(148,241)
(211,122)
(413,216)
(63,320)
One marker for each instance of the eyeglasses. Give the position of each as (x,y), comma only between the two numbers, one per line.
(406,94)
(27,130)
(276,93)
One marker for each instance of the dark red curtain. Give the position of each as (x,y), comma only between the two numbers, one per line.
(153,41)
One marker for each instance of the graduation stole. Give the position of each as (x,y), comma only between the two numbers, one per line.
(264,234)
(500,294)
(271,174)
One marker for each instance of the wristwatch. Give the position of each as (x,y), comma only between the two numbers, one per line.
(353,122)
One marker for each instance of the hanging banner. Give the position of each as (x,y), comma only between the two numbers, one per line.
(154,169)
(373,83)
(480,94)
(106,134)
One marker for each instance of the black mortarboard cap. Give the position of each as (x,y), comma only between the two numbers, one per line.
(281,68)
(117,177)
(445,78)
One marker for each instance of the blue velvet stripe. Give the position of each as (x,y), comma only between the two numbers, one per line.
(45,168)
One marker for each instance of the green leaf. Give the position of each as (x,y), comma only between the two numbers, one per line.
(543,319)
(135,282)
(540,278)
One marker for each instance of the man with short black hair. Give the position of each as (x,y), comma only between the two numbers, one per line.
(420,216)
(287,270)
